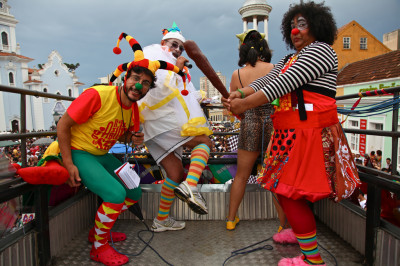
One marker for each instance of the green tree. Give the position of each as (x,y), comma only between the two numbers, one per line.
(72,67)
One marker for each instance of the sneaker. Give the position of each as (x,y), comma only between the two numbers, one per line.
(168,224)
(192,197)
(231,225)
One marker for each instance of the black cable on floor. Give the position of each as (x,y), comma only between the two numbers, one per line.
(242,252)
(329,253)
(147,244)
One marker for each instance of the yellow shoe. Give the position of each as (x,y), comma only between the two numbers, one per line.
(230,225)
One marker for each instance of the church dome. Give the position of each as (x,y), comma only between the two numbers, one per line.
(254,2)
(258,8)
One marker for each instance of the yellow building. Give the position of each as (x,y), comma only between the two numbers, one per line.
(354,43)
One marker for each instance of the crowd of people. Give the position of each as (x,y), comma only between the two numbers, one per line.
(33,153)
(374,160)
(390,202)
(222,143)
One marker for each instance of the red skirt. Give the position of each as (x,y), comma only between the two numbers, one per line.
(309,159)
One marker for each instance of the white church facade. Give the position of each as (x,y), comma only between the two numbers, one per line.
(53,77)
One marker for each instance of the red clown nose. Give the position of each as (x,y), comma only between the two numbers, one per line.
(295,31)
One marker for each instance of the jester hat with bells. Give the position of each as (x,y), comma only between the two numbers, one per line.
(139,60)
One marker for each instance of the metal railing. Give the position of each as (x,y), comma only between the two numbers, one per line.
(377,180)
(11,188)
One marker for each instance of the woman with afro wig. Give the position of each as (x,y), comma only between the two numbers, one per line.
(309,158)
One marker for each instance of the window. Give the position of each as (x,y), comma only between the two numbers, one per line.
(377,126)
(69,92)
(11,79)
(4,40)
(354,138)
(45,100)
(363,43)
(346,42)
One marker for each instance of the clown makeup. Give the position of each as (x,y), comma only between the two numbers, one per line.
(300,34)
(176,45)
(145,83)
(137,86)
(301,23)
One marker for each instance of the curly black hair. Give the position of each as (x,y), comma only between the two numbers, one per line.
(320,21)
(140,70)
(253,48)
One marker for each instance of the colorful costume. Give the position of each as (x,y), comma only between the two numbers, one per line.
(164,109)
(102,119)
(169,121)
(94,136)
(310,158)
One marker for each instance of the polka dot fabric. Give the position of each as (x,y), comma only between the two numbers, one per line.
(282,144)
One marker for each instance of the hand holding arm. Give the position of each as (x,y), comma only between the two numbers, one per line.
(238,106)
(247,91)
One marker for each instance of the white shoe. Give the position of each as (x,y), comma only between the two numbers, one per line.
(169,224)
(192,197)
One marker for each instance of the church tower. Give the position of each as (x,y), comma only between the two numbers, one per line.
(13,70)
(7,29)
(255,11)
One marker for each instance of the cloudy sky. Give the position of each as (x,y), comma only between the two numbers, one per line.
(85,31)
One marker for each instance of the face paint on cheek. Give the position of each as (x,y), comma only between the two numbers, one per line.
(301,24)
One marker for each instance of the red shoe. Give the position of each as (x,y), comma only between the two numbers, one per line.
(116,236)
(108,256)
(297,261)
(286,236)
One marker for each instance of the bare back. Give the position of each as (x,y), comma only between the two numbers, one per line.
(248,74)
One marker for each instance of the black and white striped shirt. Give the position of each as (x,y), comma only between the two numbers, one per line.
(316,65)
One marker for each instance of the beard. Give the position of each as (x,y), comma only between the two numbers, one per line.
(132,88)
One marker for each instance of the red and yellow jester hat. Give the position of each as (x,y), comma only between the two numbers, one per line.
(153,66)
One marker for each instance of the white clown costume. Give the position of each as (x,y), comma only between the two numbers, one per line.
(169,118)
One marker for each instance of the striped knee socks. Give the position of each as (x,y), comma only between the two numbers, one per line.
(198,162)
(167,197)
(309,248)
